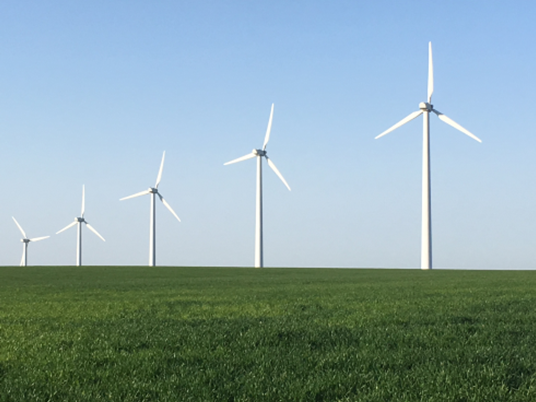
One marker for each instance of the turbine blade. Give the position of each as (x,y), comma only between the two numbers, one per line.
(452,123)
(22,258)
(168,206)
(20,228)
(70,225)
(430,73)
(135,195)
(39,238)
(93,230)
(277,172)
(83,200)
(400,123)
(160,171)
(268,129)
(242,158)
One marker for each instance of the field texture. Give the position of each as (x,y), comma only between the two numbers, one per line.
(226,334)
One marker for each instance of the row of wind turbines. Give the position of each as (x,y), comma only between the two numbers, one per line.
(425,108)
(79,220)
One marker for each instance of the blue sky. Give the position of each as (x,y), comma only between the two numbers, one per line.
(93,92)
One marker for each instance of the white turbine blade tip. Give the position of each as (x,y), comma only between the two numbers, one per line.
(94,231)
(168,206)
(83,200)
(400,123)
(159,177)
(430,73)
(67,227)
(39,238)
(452,123)
(242,158)
(20,228)
(135,195)
(277,172)
(268,129)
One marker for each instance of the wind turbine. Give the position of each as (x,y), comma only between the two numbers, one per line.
(25,240)
(79,220)
(152,230)
(425,109)
(260,153)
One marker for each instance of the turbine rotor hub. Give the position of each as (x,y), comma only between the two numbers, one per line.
(259,152)
(79,219)
(25,240)
(153,190)
(425,106)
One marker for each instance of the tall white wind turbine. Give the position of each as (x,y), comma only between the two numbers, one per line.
(152,229)
(425,109)
(259,154)
(78,221)
(25,240)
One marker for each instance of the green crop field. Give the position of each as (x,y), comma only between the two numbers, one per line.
(237,334)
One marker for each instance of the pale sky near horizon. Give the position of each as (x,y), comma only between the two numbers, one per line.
(93,92)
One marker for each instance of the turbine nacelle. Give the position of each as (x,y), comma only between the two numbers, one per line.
(79,219)
(153,190)
(25,240)
(259,152)
(426,107)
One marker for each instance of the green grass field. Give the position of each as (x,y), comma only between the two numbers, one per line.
(237,334)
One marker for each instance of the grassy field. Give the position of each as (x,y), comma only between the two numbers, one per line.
(236,334)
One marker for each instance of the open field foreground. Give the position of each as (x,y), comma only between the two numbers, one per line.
(237,334)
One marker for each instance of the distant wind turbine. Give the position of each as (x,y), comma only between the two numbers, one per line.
(152,230)
(79,220)
(425,109)
(259,154)
(25,240)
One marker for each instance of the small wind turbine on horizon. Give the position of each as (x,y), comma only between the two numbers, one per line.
(152,229)
(79,220)
(425,109)
(25,240)
(259,154)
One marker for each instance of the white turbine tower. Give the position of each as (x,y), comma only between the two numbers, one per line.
(260,153)
(425,109)
(79,220)
(25,240)
(152,229)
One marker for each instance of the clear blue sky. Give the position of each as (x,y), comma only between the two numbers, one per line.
(93,92)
